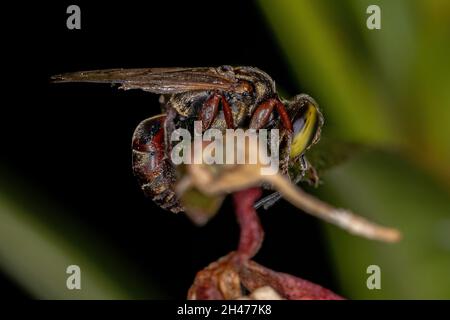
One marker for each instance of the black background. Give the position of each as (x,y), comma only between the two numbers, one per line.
(72,141)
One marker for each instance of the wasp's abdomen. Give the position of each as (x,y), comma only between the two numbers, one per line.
(154,172)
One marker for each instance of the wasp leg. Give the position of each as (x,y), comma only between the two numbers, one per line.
(169,127)
(262,114)
(261,118)
(311,174)
(268,201)
(286,140)
(281,109)
(210,109)
(228,114)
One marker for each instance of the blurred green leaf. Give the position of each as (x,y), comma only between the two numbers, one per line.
(418,266)
(318,53)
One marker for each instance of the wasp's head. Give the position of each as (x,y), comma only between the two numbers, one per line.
(307,121)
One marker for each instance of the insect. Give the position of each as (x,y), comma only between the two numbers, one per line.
(222,97)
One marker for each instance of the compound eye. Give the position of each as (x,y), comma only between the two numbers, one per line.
(306,124)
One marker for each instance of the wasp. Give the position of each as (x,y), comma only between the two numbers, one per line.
(221,97)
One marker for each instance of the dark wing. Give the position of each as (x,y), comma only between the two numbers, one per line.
(157,80)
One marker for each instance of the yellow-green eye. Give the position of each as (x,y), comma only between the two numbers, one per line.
(305,124)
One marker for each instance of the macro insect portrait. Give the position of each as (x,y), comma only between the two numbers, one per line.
(240,151)
(246,98)
(225,98)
